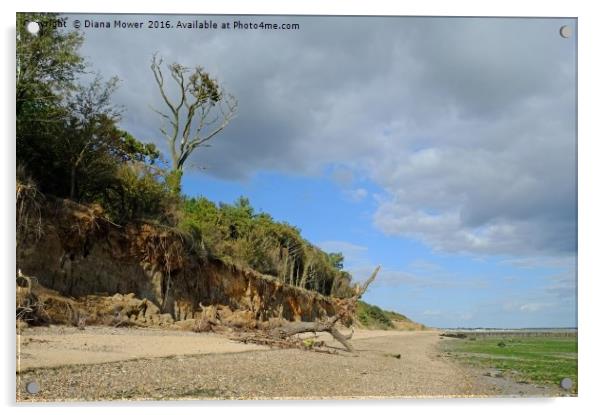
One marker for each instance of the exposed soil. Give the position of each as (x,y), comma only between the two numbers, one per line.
(102,363)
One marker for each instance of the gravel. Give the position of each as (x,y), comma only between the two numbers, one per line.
(391,366)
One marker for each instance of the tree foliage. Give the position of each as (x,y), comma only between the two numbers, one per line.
(236,233)
(141,194)
(68,138)
(47,63)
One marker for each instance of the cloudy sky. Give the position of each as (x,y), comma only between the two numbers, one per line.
(442,148)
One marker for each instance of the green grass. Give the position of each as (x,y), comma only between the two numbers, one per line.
(539,360)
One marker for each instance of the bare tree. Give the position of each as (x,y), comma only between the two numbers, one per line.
(346,311)
(200,111)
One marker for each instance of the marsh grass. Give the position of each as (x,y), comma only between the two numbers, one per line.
(539,360)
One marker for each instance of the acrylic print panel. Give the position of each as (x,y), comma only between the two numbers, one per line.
(305,207)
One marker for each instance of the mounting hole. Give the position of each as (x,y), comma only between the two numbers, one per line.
(566,383)
(566,31)
(33,28)
(32,387)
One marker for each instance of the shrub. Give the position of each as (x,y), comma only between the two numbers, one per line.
(140,193)
(372,316)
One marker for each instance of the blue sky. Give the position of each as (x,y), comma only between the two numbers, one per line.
(436,288)
(443,149)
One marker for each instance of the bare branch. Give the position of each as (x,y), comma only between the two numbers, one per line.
(156,68)
(346,310)
(367,283)
(198,97)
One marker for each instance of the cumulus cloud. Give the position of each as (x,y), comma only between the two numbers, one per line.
(467,125)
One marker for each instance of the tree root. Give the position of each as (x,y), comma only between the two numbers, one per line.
(282,336)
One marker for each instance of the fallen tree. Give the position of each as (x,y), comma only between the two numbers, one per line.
(281,336)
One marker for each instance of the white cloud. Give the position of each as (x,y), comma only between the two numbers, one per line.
(470,134)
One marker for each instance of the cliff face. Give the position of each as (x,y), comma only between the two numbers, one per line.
(80,254)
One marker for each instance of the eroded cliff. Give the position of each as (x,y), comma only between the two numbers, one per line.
(82,255)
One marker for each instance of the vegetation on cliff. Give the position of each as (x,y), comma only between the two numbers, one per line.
(236,233)
(70,145)
(372,316)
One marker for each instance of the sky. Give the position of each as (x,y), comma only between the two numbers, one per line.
(443,149)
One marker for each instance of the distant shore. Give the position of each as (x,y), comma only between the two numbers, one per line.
(536,332)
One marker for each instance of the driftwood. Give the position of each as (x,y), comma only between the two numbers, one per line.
(266,340)
(346,312)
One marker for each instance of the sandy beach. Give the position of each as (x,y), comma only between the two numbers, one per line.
(102,363)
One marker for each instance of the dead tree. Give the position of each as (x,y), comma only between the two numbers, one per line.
(200,111)
(346,312)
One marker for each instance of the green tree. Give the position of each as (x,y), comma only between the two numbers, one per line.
(92,146)
(236,233)
(336,259)
(91,134)
(68,138)
(140,192)
(47,63)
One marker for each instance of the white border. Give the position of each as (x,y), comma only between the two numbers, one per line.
(589,189)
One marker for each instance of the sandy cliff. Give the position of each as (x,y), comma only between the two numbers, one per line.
(84,256)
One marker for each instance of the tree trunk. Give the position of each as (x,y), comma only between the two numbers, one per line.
(346,310)
(72,186)
(290,329)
